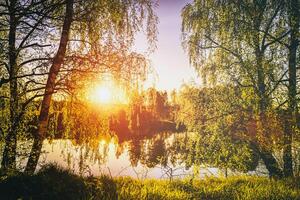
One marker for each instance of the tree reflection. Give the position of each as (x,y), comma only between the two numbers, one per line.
(135,151)
(155,152)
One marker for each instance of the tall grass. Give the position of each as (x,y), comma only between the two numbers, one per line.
(53,182)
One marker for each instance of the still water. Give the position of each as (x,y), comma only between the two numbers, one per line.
(154,157)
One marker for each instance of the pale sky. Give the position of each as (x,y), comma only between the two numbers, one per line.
(169,60)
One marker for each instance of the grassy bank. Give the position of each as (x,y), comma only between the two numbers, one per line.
(55,183)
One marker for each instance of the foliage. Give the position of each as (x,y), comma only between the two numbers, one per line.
(221,122)
(247,46)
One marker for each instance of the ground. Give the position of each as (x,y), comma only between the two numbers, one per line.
(53,182)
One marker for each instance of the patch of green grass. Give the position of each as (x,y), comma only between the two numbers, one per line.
(210,188)
(53,182)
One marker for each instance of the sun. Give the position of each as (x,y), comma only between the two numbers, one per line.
(103,95)
(107,93)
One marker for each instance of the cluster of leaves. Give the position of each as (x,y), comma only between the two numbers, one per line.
(220,122)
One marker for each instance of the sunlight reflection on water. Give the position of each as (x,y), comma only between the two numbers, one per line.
(109,159)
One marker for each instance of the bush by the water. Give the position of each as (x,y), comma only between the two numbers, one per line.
(52,182)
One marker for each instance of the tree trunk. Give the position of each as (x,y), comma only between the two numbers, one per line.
(265,154)
(49,90)
(294,20)
(268,159)
(287,146)
(9,154)
(270,163)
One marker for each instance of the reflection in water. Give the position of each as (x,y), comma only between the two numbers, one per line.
(156,157)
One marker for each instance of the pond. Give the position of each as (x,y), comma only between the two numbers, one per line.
(163,155)
(154,157)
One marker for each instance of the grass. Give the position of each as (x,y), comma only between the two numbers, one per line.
(53,182)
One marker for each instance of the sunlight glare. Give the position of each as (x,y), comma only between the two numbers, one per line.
(107,93)
(103,95)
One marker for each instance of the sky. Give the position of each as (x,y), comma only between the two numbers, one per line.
(169,59)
